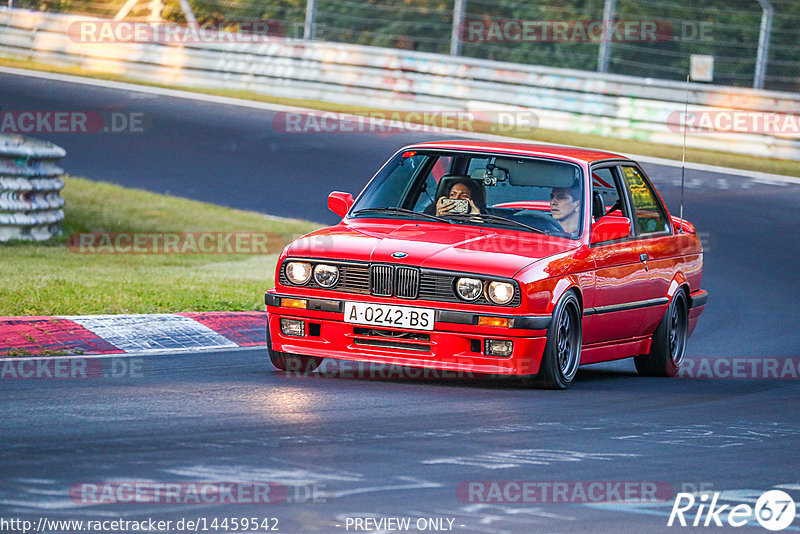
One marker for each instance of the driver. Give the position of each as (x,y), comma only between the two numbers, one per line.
(565,207)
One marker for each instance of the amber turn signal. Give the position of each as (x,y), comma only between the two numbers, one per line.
(493,321)
(294,303)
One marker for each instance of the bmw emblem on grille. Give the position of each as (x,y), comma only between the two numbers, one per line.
(399,255)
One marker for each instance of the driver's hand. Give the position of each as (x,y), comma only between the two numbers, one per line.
(473,209)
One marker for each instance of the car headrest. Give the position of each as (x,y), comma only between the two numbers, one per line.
(598,207)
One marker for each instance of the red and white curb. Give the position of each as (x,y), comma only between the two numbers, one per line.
(130,334)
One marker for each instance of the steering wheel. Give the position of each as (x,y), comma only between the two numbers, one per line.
(542,221)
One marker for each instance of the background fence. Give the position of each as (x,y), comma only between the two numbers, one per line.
(728,30)
(567,100)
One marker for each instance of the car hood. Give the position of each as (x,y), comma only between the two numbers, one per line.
(455,247)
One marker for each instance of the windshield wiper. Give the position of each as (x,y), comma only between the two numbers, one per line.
(404,211)
(495,218)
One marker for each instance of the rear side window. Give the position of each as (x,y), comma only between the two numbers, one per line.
(650,216)
(604,187)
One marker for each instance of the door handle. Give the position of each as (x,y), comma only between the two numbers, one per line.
(643,256)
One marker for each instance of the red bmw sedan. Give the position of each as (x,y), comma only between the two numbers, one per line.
(498,258)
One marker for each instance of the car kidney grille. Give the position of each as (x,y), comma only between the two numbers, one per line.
(382,280)
(407,284)
(388,281)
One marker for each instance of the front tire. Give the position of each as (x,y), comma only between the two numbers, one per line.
(562,352)
(668,347)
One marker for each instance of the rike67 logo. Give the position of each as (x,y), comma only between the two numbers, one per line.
(774,510)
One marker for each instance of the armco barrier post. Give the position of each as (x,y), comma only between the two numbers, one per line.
(31,207)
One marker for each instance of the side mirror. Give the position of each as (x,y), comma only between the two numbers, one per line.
(610,228)
(340,203)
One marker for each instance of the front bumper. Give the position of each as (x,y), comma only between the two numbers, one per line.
(456,343)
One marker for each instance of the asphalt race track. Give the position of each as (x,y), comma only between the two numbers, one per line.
(350,448)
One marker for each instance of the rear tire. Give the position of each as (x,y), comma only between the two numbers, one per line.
(668,347)
(286,361)
(562,353)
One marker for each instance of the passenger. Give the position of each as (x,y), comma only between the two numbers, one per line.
(565,207)
(460,190)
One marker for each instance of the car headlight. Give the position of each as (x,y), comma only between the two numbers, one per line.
(326,275)
(469,289)
(298,272)
(500,292)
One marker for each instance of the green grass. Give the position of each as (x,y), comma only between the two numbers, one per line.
(694,155)
(50,279)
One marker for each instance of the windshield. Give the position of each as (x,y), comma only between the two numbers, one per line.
(526,194)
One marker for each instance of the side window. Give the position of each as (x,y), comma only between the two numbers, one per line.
(650,217)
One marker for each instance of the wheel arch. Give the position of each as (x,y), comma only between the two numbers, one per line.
(562,287)
(679,283)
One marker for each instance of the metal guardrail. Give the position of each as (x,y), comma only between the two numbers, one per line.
(567,100)
(30,183)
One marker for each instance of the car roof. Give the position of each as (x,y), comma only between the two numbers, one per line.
(570,153)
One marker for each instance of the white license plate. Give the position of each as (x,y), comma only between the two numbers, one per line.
(389,316)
